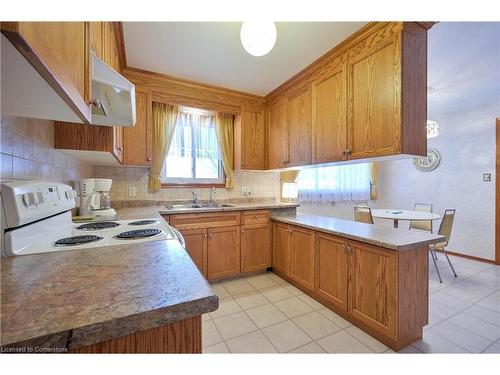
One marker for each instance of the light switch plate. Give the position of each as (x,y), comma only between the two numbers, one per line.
(486,177)
(245,190)
(132,191)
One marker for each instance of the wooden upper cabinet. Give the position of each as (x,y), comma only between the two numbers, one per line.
(250,139)
(302,256)
(277,143)
(137,140)
(329,115)
(374,287)
(299,127)
(331,277)
(59,52)
(223,253)
(387,78)
(281,247)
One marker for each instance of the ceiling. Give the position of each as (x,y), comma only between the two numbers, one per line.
(211,52)
(463,66)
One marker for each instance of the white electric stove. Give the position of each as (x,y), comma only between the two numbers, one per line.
(36,218)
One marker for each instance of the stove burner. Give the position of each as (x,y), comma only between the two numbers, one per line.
(98,226)
(143,222)
(77,240)
(137,234)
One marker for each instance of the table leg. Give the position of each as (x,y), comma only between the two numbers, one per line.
(396,222)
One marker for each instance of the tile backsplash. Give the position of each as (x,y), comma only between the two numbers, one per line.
(261,184)
(27,153)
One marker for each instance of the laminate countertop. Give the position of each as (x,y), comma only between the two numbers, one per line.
(77,298)
(389,238)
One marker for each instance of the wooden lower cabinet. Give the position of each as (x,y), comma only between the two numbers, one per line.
(196,246)
(302,256)
(382,291)
(373,287)
(180,337)
(331,277)
(281,248)
(223,252)
(255,247)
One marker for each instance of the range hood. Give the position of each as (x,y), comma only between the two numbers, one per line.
(113,96)
(26,92)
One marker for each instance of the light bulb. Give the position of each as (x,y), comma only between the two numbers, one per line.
(258,37)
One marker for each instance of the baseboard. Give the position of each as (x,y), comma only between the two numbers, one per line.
(471,257)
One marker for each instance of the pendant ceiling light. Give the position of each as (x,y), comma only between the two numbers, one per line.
(258,37)
(432,129)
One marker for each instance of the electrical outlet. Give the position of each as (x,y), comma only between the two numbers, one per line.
(486,177)
(132,191)
(245,190)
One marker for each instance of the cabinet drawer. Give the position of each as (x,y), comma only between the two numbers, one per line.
(205,220)
(256,217)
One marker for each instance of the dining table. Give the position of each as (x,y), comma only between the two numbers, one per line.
(405,215)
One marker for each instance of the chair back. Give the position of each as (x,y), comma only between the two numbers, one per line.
(361,204)
(447,224)
(422,224)
(363,215)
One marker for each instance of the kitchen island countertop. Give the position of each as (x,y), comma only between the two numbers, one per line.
(389,238)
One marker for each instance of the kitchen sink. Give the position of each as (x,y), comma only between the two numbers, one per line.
(197,205)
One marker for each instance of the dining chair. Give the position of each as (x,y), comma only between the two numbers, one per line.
(363,214)
(361,203)
(422,224)
(444,230)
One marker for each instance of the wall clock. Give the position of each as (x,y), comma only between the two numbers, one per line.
(429,162)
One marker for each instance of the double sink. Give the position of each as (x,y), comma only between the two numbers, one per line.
(197,205)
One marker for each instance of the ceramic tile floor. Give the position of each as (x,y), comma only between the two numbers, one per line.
(265,314)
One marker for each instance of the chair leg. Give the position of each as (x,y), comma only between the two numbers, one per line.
(448,259)
(435,265)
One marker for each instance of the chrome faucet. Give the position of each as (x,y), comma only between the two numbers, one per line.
(195,197)
(211,197)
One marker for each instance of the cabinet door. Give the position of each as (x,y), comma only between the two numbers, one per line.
(252,140)
(278,135)
(302,257)
(135,139)
(196,246)
(255,247)
(299,127)
(118,142)
(329,117)
(281,248)
(373,287)
(331,269)
(374,101)
(223,252)
(96,38)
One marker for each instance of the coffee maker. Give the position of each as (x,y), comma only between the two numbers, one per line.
(95,200)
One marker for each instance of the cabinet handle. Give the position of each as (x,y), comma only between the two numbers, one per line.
(347,151)
(256,216)
(242,230)
(120,148)
(149,158)
(347,248)
(242,164)
(210,235)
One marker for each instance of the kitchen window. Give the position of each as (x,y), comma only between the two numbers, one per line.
(330,185)
(194,155)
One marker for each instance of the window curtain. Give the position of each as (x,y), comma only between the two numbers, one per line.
(225,136)
(374,172)
(287,176)
(164,122)
(330,185)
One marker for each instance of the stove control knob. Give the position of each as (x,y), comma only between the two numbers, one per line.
(29,199)
(39,197)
